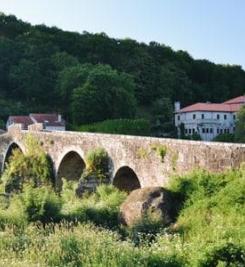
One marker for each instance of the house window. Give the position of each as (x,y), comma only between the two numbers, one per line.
(189,131)
(186,131)
(194,116)
(234,117)
(203,130)
(202,116)
(193,131)
(207,130)
(218,131)
(228,130)
(178,117)
(218,116)
(211,130)
(225,117)
(221,131)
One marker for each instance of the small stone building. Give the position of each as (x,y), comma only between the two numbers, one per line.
(50,122)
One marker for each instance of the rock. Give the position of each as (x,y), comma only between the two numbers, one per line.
(145,201)
(88,183)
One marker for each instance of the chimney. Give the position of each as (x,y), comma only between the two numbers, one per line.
(59,118)
(176,106)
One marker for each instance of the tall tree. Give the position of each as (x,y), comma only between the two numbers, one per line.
(105,94)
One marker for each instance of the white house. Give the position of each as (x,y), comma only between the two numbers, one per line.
(50,122)
(208,119)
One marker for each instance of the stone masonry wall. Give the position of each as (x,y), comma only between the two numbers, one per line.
(153,160)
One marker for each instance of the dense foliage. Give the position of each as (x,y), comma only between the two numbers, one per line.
(97,165)
(91,77)
(32,167)
(41,227)
(119,126)
(229,138)
(240,126)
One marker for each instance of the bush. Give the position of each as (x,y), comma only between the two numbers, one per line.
(228,138)
(101,207)
(227,254)
(146,230)
(97,170)
(41,204)
(13,214)
(119,126)
(97,161)
(33,167)
(213,211)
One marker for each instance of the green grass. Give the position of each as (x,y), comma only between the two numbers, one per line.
(209,230)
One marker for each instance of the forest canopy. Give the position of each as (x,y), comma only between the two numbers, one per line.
(92,77)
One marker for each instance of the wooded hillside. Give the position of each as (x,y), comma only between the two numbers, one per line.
(45,69)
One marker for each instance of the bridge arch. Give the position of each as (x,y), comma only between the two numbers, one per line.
(126,179)
(70,167)
(9,152)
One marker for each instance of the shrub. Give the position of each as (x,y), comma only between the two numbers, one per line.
(13,214)
(227,254)
(97,165)
(146,229)
(119,126)
(41,204)
(229,138)
(97,160)
(160,150)
(213,211)
(32,167)
(200,184)
(101,207)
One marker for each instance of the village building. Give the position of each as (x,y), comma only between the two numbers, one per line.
(208,119)
(50,122)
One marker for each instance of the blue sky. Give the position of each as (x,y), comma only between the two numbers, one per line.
(211,29)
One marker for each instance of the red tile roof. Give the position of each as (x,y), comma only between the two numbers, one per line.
(236,100)
(24,120)
(232,105)
(48,119)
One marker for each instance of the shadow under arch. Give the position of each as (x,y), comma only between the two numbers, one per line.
(70,168)
(11,148)
(126,179)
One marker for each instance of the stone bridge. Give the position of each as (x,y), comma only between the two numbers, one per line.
(134,161)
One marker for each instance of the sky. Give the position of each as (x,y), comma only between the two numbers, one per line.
(210,29)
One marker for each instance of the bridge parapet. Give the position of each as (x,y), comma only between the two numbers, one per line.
(153,160)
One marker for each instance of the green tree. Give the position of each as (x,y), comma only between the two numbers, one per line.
(69,79)
(105,94)
(33,83)
(240,126)
(164,108)
(62,60)
(162,117)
